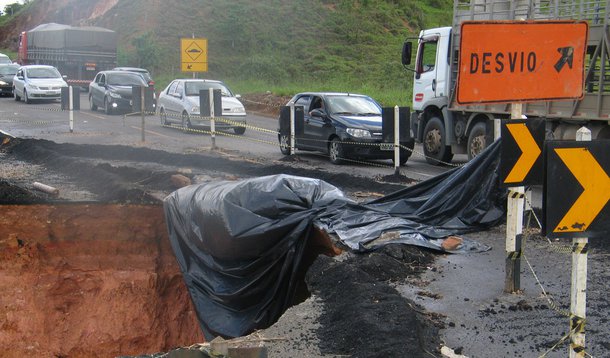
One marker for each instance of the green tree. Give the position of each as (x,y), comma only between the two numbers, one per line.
(146,51)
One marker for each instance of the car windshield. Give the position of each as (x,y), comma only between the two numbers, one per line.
(43,72)
(353,105)
(193,88)
(5,59)
(8,70)
(125,79)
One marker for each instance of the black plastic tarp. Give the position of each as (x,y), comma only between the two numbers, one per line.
(239,244)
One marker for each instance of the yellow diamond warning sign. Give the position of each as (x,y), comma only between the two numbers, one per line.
(194,54)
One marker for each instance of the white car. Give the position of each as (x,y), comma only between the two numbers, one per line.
(34,82)
(179,103)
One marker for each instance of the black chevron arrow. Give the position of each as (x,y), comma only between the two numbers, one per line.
(567,55)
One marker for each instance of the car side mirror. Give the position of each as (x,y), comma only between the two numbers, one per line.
(318,112)
(65,77)
(20,77)
(237,96)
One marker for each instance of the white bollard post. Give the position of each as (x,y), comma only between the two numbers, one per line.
(212,122)
(514,225)
(578,294)
(71,108)
(142,109)
(292,131)
(396,140)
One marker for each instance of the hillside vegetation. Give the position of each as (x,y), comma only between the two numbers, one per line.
(283,46)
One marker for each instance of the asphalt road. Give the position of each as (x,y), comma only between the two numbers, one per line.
(45,120)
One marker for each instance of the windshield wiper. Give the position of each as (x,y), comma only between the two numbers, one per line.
(369,114)
(345,113)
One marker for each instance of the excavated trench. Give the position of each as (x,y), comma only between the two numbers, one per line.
(90,272)
(89,280)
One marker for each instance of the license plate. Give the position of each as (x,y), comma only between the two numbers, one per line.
(387,146)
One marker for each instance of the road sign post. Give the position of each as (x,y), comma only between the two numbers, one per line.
(578,294)
(514,226)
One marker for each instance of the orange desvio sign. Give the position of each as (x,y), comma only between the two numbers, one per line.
(520,61)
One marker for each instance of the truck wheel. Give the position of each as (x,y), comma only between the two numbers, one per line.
(434,142)
(92,105)
(239,130)
(284,143)
(335,151)
(107,108)
(17,98)
(476,140)
(26,98)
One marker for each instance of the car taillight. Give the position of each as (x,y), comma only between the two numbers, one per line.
(419,97)
(151,83)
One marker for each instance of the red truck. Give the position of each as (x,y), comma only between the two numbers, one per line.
(77,52)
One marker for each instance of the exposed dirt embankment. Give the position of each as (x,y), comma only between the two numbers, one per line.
(90,280)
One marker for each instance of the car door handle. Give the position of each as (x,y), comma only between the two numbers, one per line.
(434,84)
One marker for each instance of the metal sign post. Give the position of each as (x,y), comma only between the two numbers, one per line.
(514,226)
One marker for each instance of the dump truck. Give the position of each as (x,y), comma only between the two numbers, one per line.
(79,53)
(445,127)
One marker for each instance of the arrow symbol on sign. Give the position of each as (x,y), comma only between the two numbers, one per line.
(529,152)
(567,56)
(596,189)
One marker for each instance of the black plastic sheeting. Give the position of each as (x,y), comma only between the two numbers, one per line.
(240,244)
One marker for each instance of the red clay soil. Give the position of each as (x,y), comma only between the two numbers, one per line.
(90,281)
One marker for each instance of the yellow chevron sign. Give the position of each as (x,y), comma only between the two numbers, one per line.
(578,188)
(521,162)
(596,193)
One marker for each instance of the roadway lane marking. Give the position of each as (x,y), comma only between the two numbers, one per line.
(92,115)
(153,132)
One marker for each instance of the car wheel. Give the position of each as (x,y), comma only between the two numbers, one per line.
(239,130)
(476,140)
(284,140)
(163,117)
(405,154)
(26,98)
(92,105)
(434,142)
(107,108)
(16,96)
(186,122)
(335,151)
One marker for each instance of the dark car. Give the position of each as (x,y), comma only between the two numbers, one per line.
(343,125)
(7,72)
(144,72)
(112,90)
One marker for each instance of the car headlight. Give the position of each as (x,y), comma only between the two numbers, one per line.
(358,133)
(2,83)
(114,95)
(31,86)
